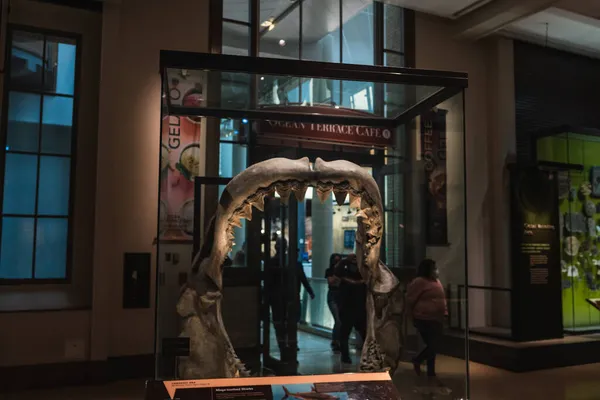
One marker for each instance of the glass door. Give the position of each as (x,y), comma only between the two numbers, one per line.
(281,301)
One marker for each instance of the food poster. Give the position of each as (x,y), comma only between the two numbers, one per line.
(180,165)
(186,87)
(579,206)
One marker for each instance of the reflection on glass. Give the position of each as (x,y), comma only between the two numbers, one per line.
(238,10)
(393,60)
(321,30)
(393,28)
(53,190)
(60,62)
(16,252)
(19,184)
(236,39)
(358,41)
(280,39)
(51,248)
(26,63)
(23,121)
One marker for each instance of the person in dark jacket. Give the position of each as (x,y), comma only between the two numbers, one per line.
(333,300)
(277,278)
(353,299)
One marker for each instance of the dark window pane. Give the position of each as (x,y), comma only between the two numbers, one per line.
(282,39)
(57,121)
(23,121)
(60,62)
(54,185)
(236,39)
(238,10)
(321,30)
(358,41)
(393,60)
(26,62)
(16,252)
(19,184)
(51,248)
(394,28)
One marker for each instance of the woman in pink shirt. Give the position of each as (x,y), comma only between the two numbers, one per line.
(426,303)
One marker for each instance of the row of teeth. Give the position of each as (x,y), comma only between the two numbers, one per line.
(358,199)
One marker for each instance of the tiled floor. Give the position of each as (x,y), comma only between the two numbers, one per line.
(575,383)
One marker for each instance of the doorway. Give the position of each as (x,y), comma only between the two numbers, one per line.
(298,236)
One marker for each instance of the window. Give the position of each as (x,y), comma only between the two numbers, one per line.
(37,156)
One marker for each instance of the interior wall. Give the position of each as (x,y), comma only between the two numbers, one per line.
(133,33)
(63,333)
(436,49)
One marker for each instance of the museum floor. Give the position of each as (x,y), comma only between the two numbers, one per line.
(574,383)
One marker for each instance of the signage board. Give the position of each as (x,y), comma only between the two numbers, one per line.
(352,134)
(536,302)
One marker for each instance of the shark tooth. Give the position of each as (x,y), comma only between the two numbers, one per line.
(259,203)
(354,201)
(235,221)
(247,212)
(323,195)
(340,196)
(361,214)
(230,236)
(300,192)
(284,193)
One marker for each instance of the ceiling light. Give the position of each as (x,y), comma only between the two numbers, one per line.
(271,27)
(282,42)
(268,22)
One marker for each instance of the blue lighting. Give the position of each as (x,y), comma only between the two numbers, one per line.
(7,148)
(244,121)
(236,132)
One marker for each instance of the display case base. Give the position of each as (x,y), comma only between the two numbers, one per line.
(525,356)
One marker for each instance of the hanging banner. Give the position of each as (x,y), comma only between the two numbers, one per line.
(357,135)
(180,164)
(433,153)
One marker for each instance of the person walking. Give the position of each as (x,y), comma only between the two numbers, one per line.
(333,300)
(353,299)
(426,302)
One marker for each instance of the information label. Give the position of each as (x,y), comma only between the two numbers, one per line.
(326,387)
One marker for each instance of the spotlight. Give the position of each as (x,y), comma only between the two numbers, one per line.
(244,120)
(282,42)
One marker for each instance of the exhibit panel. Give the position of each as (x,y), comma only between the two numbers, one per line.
(577,152)
(261,188)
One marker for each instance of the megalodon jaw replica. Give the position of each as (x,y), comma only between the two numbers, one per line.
(211,352)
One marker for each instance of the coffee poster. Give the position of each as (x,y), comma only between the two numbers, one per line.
(433,153)
(179,165)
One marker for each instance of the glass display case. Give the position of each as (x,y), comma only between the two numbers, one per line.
(232,127)
(576,152)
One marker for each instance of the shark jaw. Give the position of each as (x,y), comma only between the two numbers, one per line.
(211,352)
(292,177)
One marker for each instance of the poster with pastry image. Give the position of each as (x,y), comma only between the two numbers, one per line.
(180,165)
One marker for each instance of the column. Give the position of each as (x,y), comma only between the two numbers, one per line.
(322,234)
(238,164)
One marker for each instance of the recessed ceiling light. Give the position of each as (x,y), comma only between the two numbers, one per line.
(282,42)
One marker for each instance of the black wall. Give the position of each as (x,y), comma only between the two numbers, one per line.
(553,88)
